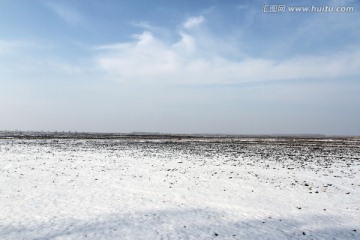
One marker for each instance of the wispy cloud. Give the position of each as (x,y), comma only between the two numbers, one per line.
(147,26)
(193,22)
(7,46)
(68,14)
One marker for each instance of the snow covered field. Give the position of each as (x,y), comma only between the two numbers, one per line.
(179,188)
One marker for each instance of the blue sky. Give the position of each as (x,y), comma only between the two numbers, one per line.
(205,66)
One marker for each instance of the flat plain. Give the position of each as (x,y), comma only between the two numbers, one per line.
(113,186)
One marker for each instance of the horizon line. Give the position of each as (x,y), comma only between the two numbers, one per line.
(152,133)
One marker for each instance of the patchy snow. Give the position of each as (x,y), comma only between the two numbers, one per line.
(188,188)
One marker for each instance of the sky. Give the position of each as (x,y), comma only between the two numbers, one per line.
(205,66)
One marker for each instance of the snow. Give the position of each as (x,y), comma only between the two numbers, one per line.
(179,188)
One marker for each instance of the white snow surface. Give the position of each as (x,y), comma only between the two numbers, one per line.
(196,188)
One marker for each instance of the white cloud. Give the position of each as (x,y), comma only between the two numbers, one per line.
(186,44)
(193,22)
(146,57)
(149,59)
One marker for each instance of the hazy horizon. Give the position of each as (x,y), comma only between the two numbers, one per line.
(182,67)
(179,134)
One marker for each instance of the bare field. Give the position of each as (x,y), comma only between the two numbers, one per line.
(85,186)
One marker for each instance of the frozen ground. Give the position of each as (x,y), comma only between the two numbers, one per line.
(179,188)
